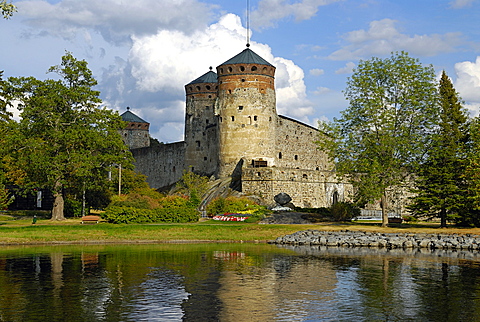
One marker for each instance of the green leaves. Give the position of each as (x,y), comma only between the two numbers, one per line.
(65,139)
(382,134)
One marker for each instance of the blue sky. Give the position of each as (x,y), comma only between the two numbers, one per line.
(143,52)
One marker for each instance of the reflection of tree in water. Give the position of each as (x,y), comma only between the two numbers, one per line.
(211,283)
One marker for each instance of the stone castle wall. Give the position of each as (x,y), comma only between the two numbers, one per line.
(307,188)
(163,164)
(296,147)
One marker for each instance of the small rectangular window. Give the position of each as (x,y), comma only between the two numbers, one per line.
(240,108)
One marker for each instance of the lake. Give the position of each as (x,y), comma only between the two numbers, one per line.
(236,282)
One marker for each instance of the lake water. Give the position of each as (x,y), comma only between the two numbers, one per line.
(236,282)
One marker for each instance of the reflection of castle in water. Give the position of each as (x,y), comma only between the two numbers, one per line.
(238,283)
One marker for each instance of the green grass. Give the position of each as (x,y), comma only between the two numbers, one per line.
(70,231)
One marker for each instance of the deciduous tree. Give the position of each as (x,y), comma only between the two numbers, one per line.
(64,137)
(383,131)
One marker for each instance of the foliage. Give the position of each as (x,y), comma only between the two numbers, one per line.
(148,205)
(8,9)
(192,185)
(171,209)
(344,211)
(130,180)
(383,133)
(64,139)
(469,214)
(73,208)
(440,185)
(232,204)
(5,199)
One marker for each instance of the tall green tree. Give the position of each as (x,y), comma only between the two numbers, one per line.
(469,214)
(383,132)
(440,184)
(64,137)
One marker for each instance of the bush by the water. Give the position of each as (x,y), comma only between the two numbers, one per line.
(150,206)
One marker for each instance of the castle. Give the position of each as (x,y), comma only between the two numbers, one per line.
(232,129)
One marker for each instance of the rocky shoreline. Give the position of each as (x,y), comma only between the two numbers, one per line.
(346,238)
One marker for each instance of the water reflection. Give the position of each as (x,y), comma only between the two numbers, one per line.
(236,282)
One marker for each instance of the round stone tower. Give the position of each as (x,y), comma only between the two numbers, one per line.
(201,126)
(247,112)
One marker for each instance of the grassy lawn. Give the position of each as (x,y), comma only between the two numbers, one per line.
(22,231)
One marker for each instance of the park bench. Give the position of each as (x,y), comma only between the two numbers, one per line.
(90,219)
(395,220)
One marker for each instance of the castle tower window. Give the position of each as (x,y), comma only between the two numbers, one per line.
(296,157)
(230,69)
(233,118)
(255,118)
(221,70)
(242,68)
(305,176)
(207,107)
(208,87)
(209,96)
(204,158)
(280,155)
(198,88)
(259,174)
(243,80)
(198,143)
(254,68)
(229,91)
(207,121)
(249,120)
(240,108)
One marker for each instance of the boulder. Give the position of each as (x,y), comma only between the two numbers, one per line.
(282,198)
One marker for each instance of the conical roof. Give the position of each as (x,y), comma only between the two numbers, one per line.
(247,56)
(130,117)
(209,77)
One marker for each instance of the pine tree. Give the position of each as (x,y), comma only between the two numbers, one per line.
(440,184)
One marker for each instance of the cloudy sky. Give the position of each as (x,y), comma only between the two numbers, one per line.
(143,52)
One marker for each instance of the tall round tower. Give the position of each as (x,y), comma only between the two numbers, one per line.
(246,107)
(201,126)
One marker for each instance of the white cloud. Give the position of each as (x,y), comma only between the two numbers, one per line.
(468,84)
(116,20)
(458,4)
(383,38)
(321,90)
(316,72)
(347,69)
(269,11)
(160,65)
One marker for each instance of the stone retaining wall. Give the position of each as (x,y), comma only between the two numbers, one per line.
(347,238)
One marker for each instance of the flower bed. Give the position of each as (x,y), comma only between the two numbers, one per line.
(230,217)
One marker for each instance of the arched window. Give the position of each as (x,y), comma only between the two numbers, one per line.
(254,68)
(280,155)
(242,68)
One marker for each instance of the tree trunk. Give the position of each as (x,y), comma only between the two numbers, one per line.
(383,203)
(59,203)
(443,218)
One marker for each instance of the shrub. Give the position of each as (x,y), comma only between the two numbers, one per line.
(344,211)
(170,209)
